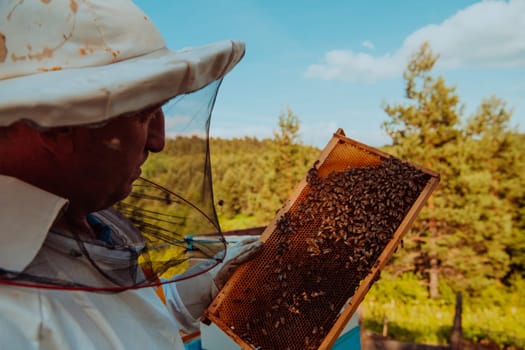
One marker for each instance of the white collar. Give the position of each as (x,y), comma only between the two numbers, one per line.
(26,215)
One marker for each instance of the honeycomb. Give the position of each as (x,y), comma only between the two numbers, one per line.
(323,250)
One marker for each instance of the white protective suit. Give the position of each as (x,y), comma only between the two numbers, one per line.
(37,318)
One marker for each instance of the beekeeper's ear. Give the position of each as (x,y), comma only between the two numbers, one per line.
(58,141)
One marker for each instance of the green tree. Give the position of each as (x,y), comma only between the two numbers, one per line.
(287,141)
(468,229)
(501,158)
(253,177)
(423,132)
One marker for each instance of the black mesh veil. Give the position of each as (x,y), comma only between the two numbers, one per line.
(178,204)
(144,240)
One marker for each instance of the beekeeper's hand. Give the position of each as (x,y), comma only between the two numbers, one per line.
(236,255)
(188,299)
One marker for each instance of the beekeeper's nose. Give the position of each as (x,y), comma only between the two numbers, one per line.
(156,135)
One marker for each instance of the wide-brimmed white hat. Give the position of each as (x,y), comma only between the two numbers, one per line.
(78,62)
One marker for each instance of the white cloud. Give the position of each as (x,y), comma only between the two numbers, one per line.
(347,65)
(181,125)
(318,133)
(176,121)
(368,44)
(189,133)
(486,34)
(231,130)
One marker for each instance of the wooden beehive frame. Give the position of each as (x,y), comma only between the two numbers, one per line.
(339,137)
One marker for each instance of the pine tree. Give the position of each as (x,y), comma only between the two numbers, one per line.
(467,232)
(287,143)
(423,132)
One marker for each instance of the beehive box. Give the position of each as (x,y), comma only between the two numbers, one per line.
(324,249)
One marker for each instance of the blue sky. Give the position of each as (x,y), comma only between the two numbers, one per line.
(335,63)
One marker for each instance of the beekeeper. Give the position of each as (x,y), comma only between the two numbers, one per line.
(82,83)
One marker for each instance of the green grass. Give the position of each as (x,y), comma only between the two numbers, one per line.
(414,318)
(239,222)
(505,325)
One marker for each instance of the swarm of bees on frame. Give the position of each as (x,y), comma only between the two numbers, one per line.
(346,220)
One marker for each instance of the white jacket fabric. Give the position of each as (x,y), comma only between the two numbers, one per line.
(41,318)
(33,318)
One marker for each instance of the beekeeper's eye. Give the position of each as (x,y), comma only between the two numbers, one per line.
(150,113)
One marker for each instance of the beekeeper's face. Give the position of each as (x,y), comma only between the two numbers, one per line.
(109,158)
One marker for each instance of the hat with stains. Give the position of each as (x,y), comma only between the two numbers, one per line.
(78,62)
